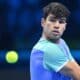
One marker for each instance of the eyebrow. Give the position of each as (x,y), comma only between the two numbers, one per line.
(63,18)
(52,17)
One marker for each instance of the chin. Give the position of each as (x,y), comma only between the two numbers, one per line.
(56,37)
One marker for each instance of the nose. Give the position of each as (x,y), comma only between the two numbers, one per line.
(56,25)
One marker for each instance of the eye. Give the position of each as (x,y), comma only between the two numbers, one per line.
(52,20)
(62,21)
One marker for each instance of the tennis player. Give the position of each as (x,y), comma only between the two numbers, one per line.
(50,57)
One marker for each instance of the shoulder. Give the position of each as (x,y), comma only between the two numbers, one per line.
(63,42)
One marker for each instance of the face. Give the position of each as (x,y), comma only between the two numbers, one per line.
(53,28)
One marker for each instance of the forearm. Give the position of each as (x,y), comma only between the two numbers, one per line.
(73,70)
(75,75)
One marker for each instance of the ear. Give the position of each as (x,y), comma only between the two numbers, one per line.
(42,22)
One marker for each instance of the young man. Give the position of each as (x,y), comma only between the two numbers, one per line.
(50,58)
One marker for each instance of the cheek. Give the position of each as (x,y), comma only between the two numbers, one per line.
(49,26)
(63,27)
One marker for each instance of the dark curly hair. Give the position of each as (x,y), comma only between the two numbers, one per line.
(57,9)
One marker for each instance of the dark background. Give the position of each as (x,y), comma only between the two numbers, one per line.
(20,29)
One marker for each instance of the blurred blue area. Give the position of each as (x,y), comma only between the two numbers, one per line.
(38,16)
(2,2)
(2,57)
(76,55)
(26,20)
(33,2)
(14,4)
(11,20)
(77,16)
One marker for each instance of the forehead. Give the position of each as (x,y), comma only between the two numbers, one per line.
(51,16)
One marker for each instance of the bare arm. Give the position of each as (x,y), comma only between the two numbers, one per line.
(71,69)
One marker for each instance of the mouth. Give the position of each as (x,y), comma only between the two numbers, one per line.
(55,31)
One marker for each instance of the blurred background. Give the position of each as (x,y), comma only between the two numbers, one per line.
(20,29)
